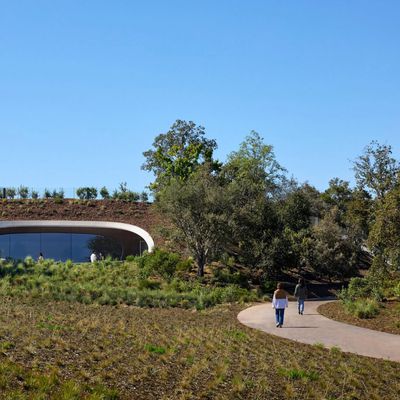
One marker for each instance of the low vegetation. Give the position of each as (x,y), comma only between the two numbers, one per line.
(149,281)
(368,302)
(75,351)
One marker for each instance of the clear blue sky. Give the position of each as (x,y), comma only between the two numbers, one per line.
(85,86)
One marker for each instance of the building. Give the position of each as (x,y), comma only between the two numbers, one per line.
(73,229)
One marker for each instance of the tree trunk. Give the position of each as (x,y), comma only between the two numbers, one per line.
(200,260)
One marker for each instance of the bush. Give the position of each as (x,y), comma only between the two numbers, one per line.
(86,193)
(125,194)
(10,193)
(159,262)
(34,194)
(362,308)
(144,197)
(23,192)
(396,290)
(104,193)
(362,288)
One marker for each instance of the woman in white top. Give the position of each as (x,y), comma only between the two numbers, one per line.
(280,302)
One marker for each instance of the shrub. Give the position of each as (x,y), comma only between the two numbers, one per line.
(144,197)
(86,193)
(104,193)
(10,193)
(362,288)
(34,194)
(364,309)
(23,192)
(159,262)
(148,284)
(396,290)
(125,194)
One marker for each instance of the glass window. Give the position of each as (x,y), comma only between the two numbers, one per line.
(80,249)
(24,244)
(56,246)
(4,246)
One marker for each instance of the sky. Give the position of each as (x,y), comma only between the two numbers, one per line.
(85,86)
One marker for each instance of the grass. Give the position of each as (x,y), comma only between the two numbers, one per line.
(124,352)
(362,308)
(387,320)
(111,283)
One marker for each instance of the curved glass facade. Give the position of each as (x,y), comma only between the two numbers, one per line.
(59,246)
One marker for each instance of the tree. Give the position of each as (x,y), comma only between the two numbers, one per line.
(177,153)
(197,209)
(251,176)
(334,252)
(384,237)
(338,194)
(376,170)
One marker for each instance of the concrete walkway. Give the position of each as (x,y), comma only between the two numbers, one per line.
(313,328)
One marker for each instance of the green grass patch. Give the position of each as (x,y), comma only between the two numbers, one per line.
(362,308)
(112,283)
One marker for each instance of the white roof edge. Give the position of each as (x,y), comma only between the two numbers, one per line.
(81,224)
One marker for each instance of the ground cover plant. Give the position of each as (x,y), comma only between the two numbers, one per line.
(141,282)
(369,302)
(127,352)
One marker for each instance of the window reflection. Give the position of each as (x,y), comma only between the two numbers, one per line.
(58,246)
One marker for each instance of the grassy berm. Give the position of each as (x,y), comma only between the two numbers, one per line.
(67,349)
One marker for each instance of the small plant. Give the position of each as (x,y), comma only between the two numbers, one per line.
(23,192)
(10,193)
(125,194)
(34,194)
(299,374)
(86,193)
(104,193)
(144,197)
(151,348)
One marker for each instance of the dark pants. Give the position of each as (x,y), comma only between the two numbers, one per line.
(279,314)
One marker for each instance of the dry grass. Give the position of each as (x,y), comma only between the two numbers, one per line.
(170,354)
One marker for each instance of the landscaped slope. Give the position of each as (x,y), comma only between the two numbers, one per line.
(177,354)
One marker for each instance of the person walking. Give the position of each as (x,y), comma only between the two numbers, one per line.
(300,292)
(280,302)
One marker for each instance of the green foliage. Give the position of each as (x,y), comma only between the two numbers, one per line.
(104,193)
(112,282)
(10,193)
(299,374)
(177,153)
(34,194)
(125,194)
(384,238)
(396,290)
(334,254)
(23,192)
(151,348)
(358,288)
(144,197)
(362,308)
(376,170)
(198,210)
(86,193)
(159,262)
(55,194)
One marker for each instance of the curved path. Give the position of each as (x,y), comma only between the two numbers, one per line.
(314,328)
